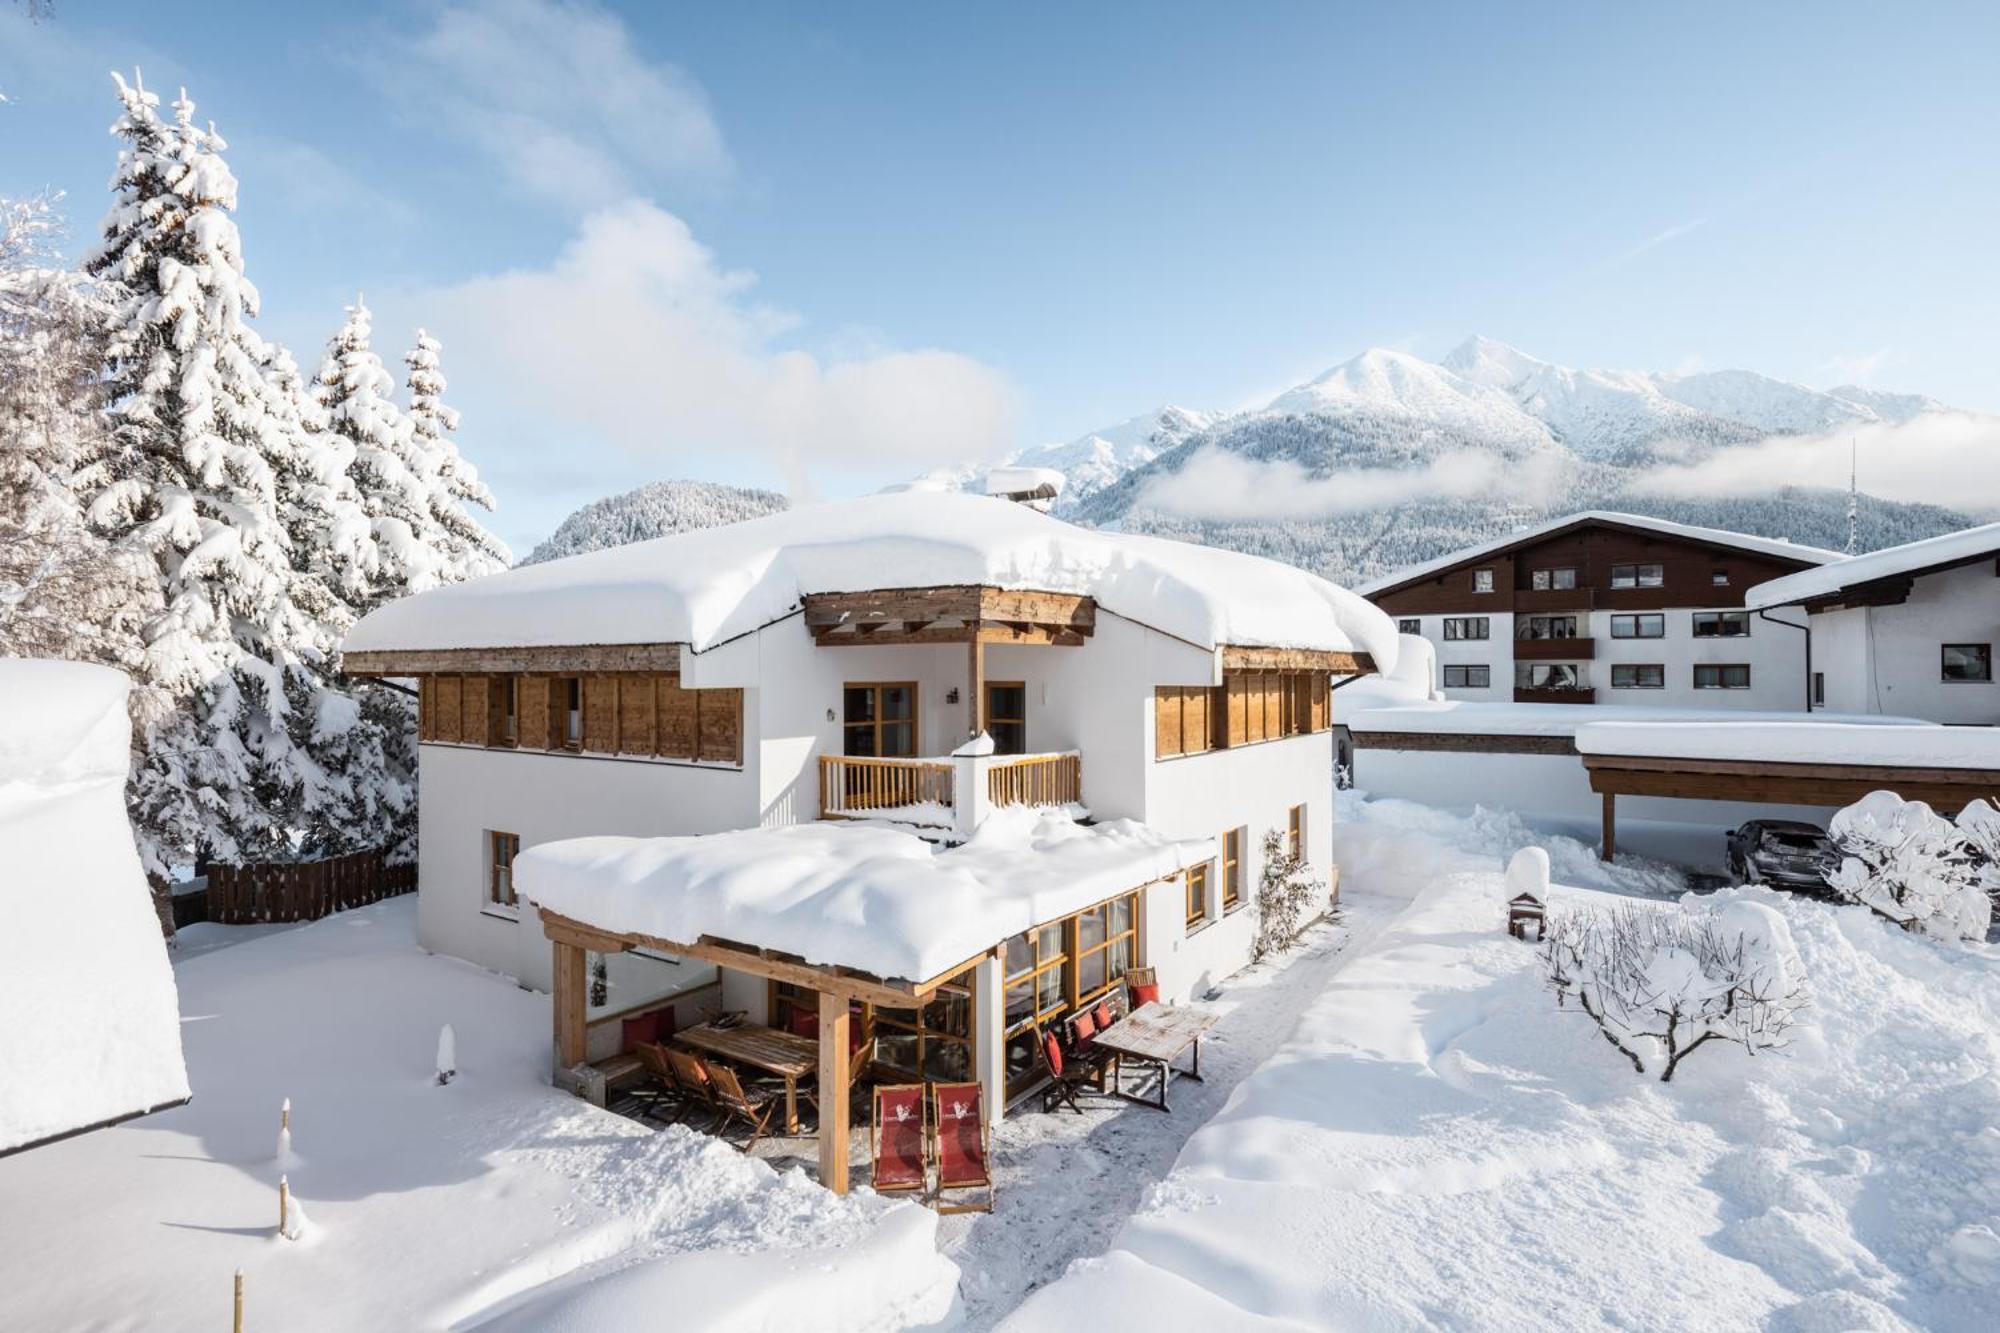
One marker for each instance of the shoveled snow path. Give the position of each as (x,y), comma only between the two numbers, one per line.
(1068,1182)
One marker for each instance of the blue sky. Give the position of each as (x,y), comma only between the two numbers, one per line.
(822,246)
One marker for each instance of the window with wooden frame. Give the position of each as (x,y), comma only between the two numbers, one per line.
(1007,716)
(1558,579)
(501,849)
(1232,870)
(879,720)
(933,1042)
(1107,943)
(1638,576)
(1197,896)
(1058,968)
(1295,833)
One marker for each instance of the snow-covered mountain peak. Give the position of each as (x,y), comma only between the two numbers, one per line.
(1097,458)
(1382,380)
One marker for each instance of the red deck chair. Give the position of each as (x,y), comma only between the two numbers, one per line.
(958,1125)
(896,1138)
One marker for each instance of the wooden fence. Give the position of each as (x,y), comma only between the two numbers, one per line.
(302,891)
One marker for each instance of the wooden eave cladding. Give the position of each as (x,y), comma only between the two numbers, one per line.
(1461,742)
(955,613)
(502,661)
(1892,589)
(894,993)
(1296,659)
(1700,779)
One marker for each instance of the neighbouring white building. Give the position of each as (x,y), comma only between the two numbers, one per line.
(748,746)
(1909,629)
(1608,608)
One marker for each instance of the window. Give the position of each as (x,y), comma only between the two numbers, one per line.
(934,1042)
(1638,676)
(1107,943)
(1007,716)
(572,687)
(1650,626)
(1295,833)
(1552,580)
(1638,576)
(1482,580)
(501,848)
(1232,869)
(1968,662)
(1410,625)
(1722,624)
(1721,676)
(1719,578)
(1468,677)
(1467,627)
(1819,689)
(1545,627)
(1057,968)
(1547,676)
(880,721)
(1197,895)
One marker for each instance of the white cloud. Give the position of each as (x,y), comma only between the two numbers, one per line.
(1945,458)
(1223,485)
(554,92)
(636,335)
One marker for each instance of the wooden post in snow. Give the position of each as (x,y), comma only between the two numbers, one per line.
(975,675)
(569,997)
(1609,847)
(834,1022)
(284,1205)
(236,1324)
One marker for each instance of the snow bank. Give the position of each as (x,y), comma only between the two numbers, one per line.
(92,1026)
(1950,548)
(701,588)
(1473,718)
(853,894)
(1908,745)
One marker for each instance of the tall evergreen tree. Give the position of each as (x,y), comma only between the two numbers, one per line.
(465,548)
(187,478)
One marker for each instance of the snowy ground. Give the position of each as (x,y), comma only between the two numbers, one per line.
(1438,1145)
(429,1206)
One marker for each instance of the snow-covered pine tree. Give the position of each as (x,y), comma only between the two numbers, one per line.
(186,479)
(465,549)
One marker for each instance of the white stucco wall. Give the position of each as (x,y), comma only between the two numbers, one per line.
(1887,659)
(1775,654)
(1495,652)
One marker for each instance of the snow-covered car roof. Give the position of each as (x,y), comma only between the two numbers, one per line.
(1717,536)
(1910,558)
(703,588)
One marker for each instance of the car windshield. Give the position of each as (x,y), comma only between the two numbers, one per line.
(1787,840)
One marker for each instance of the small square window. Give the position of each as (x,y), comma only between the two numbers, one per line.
(1719,579)
(1482,580)
(1410,625)
(1968,662)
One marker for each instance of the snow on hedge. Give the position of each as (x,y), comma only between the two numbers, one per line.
(1905,745)
(1951,547)
(701,588)
(91,1027)
(853,894)
(1928,874)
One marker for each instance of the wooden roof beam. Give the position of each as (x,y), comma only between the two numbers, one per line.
(578,659)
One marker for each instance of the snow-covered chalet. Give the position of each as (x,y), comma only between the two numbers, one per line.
(919,773)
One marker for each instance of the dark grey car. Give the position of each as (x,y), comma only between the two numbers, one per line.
(1784,853)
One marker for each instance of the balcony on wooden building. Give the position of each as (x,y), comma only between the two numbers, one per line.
(950,794)
(1563,682)
(1552,638)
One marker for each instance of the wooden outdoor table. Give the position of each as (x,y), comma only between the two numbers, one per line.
(785,1054)
(1156,1034)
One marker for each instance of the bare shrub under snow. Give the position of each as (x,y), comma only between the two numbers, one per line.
(1661,982)
(1926,873)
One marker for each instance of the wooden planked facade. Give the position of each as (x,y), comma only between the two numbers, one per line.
(635,714)
(1249,706)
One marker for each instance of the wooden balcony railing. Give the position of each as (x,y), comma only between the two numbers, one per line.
(1036,779)
(853,785)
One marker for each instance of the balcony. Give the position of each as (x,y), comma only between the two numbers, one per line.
(1555,650)
(1581,695)
(924,793)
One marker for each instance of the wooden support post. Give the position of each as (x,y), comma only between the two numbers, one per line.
(975,673)
(237,1324)
(834,1073)
(570,994)
(1609,849)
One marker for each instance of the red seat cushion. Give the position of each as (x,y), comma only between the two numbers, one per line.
(1052,1052)
(1085,1027)
(803,1023)
(1145,992)
(1102,1013)
(641,1030)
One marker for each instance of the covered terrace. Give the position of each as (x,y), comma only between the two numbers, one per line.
(862,918)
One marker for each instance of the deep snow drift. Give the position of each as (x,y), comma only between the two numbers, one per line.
(1438,1144)
(89,1028)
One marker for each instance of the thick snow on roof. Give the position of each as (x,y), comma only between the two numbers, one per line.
(852,895)
(1909,745)
(93,1027)
(1969,544)
(1467,717)
(1740,540)
(701,588)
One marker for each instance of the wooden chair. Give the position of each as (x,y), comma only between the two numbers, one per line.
(1065,1079)
(754,1107)
(959,1131)
(898,1141)
(696,1084)
(1081,1030)
(1142,986)
(662,1090)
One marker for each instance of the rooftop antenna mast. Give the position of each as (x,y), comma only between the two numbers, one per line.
(1853,498)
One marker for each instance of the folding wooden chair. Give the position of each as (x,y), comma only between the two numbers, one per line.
(897,1138)
(1065,1079)
(958,1128)
(753,1107)
(692,1074)
(662,1090)
(1083,1051)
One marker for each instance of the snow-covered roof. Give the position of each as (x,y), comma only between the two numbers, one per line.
(702,588)
(1742,541)
(1909,558)
(1024,481)
(853,895)
(1908,745)
(1471,717)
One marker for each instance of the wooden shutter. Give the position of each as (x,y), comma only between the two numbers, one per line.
(721,725)
(676,719)
(1257,687)
(533,711)
(496,708)
(474,710)
(1237,687)
(449,721)
(1195,736)
(1322,701)
(600,714)
(1168,713)
(635,714)
(427,717)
